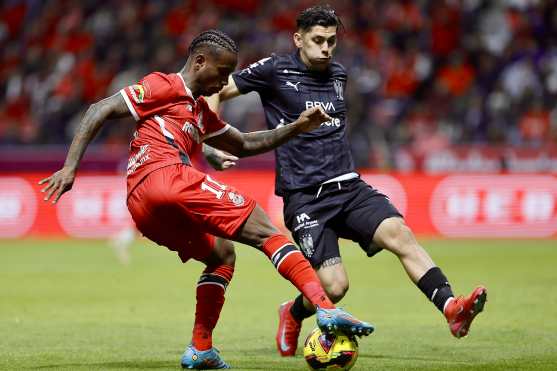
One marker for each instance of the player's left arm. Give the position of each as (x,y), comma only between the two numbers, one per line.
(249,144)
(108,108)
(218,159)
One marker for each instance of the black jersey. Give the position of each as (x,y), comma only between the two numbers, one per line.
(287,88)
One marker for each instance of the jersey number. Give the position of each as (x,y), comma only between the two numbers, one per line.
(215,187)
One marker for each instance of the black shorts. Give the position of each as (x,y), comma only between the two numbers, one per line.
(349,209)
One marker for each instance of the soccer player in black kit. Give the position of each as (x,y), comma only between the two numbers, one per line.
(324,198)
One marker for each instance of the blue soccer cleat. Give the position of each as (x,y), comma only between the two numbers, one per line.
(202,359)
(332,320)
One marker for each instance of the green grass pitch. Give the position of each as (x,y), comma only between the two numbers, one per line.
(69,305)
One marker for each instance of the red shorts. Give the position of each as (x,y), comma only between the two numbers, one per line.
(184,209)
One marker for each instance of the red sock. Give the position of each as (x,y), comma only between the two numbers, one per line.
(210,299)
(292,265)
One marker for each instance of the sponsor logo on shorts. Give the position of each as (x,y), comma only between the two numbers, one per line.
(302,218)
(304,221)
(237,199)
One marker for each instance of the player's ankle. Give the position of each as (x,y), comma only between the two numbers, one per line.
(201,340)
(299,311)
(447,303)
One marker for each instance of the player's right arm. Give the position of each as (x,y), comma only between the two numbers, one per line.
(62,180)
(249,144)
(256,77)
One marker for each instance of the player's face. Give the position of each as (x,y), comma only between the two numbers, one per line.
(317,46)
(213,74)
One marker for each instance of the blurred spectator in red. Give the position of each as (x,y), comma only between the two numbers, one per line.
(445,27)
(535,124)
(457,76)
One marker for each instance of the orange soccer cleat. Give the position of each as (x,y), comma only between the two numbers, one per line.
(460,312)
(288,331)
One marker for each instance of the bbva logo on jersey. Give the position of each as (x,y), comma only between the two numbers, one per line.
(327,106)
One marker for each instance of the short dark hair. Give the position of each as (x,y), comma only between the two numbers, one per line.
(319,15)
(213,38)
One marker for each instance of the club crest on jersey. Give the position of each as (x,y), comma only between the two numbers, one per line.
(237,199)
(138,93)
(339,89)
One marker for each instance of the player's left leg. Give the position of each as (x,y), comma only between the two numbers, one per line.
(211,287)
(210,292)
(395,236)
(376,224)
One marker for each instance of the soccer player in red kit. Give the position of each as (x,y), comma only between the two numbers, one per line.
(189,212)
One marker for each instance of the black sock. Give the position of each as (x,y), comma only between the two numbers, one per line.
(298,310)
(436,287)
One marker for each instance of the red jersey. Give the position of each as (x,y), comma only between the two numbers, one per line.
(171,124)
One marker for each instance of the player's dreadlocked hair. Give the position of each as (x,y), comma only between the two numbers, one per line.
(213,38)
(319,15)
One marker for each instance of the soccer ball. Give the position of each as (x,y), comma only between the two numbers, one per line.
(334,351)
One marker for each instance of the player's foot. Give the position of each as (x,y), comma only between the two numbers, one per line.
(460,312)
(331,320)
(202,359)
(288,331)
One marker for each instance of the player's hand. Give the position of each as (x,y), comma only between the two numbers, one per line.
(219,160)
(58,183)
(312,118)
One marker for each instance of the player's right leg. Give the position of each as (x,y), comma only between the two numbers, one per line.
(291,264)
(334,280)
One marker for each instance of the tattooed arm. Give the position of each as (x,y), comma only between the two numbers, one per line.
(248,144)
(62,180)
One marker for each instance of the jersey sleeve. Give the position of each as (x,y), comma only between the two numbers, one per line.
(256,77)
(150,95)
(211,122)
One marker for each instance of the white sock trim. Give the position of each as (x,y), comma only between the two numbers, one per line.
(447,303)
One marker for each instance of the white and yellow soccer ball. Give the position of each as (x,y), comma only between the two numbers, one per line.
(334,351)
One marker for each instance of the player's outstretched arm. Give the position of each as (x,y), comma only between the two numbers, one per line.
(62,180)
(248,144)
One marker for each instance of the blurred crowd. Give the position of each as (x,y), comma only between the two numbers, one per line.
(423,75)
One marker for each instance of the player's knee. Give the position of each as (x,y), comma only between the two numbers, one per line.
(257,229)
(397,237)
(226,252)
(337,290)
(229,257)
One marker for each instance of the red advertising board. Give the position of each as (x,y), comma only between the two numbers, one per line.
(496,205)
